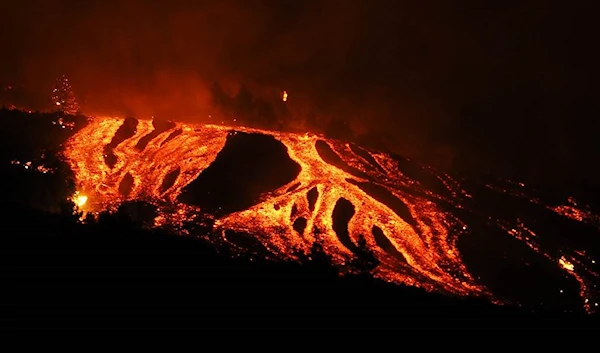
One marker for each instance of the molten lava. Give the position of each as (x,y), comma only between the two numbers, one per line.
(80,200)
(409,228)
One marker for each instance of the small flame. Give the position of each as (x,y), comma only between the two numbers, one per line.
(284,97)
(566,264)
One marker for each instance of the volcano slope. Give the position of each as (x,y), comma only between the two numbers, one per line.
(277,195)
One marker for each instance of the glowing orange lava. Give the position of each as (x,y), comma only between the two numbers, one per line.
(422,254)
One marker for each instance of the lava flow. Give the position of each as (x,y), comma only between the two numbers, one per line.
(319,189)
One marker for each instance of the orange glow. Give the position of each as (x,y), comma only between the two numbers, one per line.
(566,264)
(284,96)
(80,200)
(422,253)
(431,259)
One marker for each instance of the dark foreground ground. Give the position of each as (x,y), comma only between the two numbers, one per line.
(59,274)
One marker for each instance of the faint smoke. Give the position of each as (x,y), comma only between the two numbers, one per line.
(467,83)
(139,58)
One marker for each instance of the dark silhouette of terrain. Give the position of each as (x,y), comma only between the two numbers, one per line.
(111,273)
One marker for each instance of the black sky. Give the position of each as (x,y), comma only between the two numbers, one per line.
(495,85)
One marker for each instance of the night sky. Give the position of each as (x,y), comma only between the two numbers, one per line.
(502,87)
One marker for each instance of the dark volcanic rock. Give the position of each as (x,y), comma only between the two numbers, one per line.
(125,131)
(312,195)
(160,126)
(342,214)
(385,244)
(170,179)
(300,225)
(171,136)
(331,157)
(247,166)
(126,185)
(417,172)
(366,156)
(511,270)
(245,241)
(384,196)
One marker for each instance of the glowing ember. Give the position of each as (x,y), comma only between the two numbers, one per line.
(566,264)
(403,224)
(284,96)
(80,200)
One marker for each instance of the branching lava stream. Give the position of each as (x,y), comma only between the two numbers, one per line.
(411,230)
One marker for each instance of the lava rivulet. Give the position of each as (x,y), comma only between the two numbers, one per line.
(404,224)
